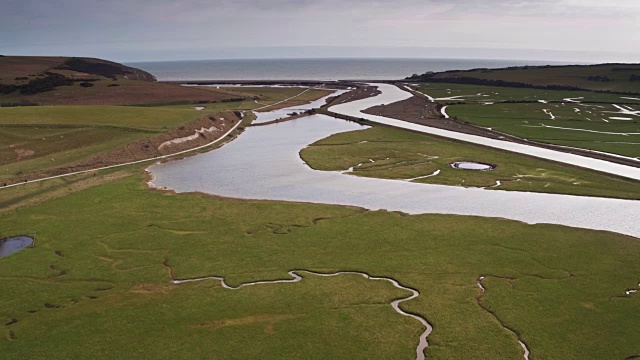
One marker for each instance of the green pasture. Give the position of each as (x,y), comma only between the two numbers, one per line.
(53,136)
(95,284)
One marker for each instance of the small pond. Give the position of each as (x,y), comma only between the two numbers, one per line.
(470,165)
(14,244)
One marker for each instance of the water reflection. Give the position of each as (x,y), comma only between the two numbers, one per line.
(470,165)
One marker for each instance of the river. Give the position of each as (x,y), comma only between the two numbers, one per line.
(264,163)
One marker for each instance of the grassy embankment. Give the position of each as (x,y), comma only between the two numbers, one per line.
(594,123)
(95,284)
(398,154)
(37,138)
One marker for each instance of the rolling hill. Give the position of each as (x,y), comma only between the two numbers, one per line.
(48,80)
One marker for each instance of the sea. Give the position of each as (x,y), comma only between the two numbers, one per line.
(314,69)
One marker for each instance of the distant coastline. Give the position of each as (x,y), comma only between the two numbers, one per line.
(314,69)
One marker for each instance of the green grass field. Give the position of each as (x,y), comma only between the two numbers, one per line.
(41,137)
(95,284)
(396,154)
(596,123)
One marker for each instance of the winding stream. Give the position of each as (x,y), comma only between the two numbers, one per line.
(295,277)
(520,342)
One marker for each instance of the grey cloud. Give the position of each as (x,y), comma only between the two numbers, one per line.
(203,28)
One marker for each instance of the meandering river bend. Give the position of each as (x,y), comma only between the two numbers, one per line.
(264,163)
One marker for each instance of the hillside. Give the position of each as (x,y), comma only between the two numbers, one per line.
(45,80)
(619,78)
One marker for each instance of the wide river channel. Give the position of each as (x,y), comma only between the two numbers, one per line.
(264,163)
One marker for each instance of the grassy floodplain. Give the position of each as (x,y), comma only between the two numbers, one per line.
(587,120)
(95,284)
(384,152)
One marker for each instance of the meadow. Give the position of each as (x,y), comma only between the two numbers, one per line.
(97,282)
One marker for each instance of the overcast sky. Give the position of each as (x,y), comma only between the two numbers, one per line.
(145,30)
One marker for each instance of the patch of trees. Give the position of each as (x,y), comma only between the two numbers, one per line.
(599,78)
(97,68)
(634,77)
(489,82)
(431,77)
(229,100)
(8,89)
(22,78)
(50,82)
(21,103)
(625,69)
(618,67)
